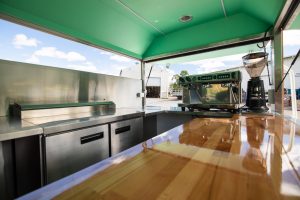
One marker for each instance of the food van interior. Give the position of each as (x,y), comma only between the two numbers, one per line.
(47,141)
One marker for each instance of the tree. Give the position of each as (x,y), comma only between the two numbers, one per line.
(175,85)
(184,73)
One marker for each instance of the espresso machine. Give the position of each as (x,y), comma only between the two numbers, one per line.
(213,91)
(254,64)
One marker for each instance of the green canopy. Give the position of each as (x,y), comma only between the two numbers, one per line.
(146,29)
(296,23)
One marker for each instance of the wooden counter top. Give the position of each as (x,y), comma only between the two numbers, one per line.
(245,157)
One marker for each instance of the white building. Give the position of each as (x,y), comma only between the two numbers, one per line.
(295,68)
(158,83)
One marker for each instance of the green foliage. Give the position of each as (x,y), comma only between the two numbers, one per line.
(184,73)
(175,85)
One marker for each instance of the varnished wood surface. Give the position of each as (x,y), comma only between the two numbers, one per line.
(246,157)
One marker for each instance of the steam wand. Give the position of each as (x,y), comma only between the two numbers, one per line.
(288,70)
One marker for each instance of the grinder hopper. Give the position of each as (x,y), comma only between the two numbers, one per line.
(254,64)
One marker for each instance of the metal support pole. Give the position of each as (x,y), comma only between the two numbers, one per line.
(278,71)
(143,84)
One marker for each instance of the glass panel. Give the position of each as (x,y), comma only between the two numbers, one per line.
(291,45)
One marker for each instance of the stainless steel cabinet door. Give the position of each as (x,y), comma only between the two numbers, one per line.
(70,152)
(125,134)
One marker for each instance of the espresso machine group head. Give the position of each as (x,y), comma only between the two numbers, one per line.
(254,64)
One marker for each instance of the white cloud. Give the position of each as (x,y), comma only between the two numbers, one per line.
(21,40)
(33,59)
(236,57)
(117,68)
(230,58)
(74,56)
(86,66)
(105,53)
(217,64)
(291,37)
(52,52)
(119,58)
(114,69)
(211,66)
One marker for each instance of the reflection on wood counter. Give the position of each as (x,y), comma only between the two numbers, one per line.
(245,157)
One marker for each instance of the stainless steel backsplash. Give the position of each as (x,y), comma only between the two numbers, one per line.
(28,83)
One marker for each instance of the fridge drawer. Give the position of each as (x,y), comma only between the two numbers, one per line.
(125,134)
(70,152)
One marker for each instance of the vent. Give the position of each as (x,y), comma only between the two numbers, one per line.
(185,18)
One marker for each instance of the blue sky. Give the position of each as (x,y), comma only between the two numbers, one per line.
(19,43)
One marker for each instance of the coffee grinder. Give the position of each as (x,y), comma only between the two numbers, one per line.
(254,64)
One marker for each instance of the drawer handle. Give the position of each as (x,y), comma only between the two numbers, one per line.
(90,138)
(122,130)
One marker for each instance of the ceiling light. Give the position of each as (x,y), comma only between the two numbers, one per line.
(185,18)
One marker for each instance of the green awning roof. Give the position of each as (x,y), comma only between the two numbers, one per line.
(146,29)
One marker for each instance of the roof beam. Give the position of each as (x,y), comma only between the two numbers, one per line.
(214,47)
(293,17)
(287,14)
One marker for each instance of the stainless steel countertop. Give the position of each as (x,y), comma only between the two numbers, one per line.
(13,129)
(47,125)
(61,123)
